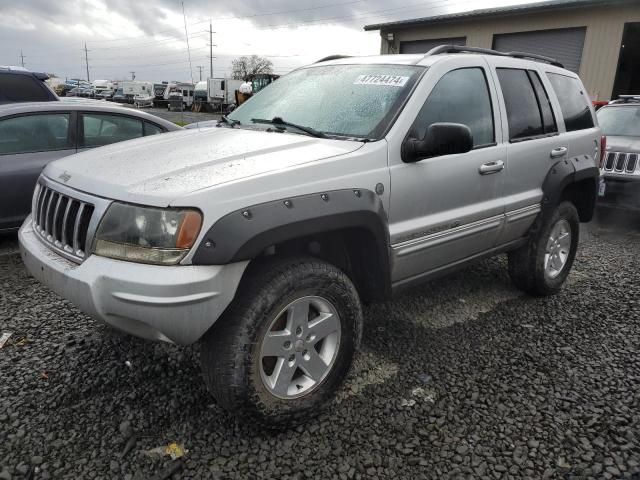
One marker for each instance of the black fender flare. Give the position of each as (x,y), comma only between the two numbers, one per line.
(244,234)
(562,174)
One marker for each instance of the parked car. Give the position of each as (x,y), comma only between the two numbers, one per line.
(346,180)
(620,122)
(34,134)
(24,86)
(119,96)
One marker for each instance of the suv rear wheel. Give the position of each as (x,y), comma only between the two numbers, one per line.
(283,347)
(543,264)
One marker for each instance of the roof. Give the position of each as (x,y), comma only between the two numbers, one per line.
(497,11)
(86,106)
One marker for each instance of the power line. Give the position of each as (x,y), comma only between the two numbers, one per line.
(186,34)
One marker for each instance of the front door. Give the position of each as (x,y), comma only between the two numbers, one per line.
(448,208)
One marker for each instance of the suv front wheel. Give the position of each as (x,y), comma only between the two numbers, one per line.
(284,346)
(542,265)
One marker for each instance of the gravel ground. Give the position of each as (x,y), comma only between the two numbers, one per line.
(461,378)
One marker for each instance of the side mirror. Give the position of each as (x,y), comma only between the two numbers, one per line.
(440,139)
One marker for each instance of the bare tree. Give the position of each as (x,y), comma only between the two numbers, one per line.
(242,67)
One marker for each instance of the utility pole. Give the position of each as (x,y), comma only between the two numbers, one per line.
(86,59)
(210,50)
(200,67)
(133,75)
(21,58)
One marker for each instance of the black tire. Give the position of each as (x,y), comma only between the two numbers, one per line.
(230,351)
(527,264)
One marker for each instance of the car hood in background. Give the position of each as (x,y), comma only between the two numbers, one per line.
(623,144)
(159,169)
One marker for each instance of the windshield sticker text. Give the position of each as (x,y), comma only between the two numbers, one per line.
(384,80)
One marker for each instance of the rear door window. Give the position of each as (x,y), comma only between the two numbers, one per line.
(573,102)
(548,119)
(523,113)
(35,133)
(102,129)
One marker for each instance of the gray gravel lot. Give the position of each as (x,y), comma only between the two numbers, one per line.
(464,377)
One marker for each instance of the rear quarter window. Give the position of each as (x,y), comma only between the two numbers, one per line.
(574,103)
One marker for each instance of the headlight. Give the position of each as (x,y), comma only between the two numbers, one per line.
(146,234)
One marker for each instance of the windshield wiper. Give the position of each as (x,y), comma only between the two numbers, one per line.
(228,120)
(279,122)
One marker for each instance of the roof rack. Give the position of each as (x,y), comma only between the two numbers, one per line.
(626,99)
(332,57)
(487,51)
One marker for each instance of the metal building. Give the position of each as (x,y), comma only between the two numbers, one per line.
(599,39)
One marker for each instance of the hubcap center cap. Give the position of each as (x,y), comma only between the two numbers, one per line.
(299,345)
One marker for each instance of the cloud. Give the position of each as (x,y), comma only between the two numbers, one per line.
(149,38)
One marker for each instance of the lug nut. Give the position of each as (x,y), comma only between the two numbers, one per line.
(292,358)
(299,331)
(287,344)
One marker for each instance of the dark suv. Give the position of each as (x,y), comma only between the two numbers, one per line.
(24,86)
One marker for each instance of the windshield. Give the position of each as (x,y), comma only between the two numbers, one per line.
(620,121)
(342,100)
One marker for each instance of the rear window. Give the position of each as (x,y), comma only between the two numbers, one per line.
(22,88)
(573,102)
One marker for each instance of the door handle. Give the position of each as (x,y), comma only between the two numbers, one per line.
(491,167)
(558,152)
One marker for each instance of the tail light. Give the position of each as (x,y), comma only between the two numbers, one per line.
(603,149)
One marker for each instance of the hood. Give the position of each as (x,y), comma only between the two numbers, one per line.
(623,144)
(159,169)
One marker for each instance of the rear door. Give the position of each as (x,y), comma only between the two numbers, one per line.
(28,142)
(533,132)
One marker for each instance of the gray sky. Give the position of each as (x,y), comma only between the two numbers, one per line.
(148,37)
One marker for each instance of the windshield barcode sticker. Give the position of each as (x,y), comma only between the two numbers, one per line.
(384,80)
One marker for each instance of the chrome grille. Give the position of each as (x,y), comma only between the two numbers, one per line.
(61,221)
(622,163)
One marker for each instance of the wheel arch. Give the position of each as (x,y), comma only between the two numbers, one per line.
(574,180)
(348,228)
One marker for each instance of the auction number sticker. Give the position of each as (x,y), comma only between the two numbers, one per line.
(384,80)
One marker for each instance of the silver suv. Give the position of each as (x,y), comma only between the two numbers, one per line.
(620,122)
(342,182)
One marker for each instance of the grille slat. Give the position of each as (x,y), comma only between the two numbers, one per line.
(62,221)
(76,228)
(620,161)
(631,163)
(611,158)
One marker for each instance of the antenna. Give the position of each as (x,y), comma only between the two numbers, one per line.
(21,58)
(200,67)
(133,75)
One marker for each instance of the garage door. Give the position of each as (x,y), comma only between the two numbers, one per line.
(423,46)
(565,45)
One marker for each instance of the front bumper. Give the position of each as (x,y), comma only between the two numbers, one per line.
(622,191)
(176,304)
